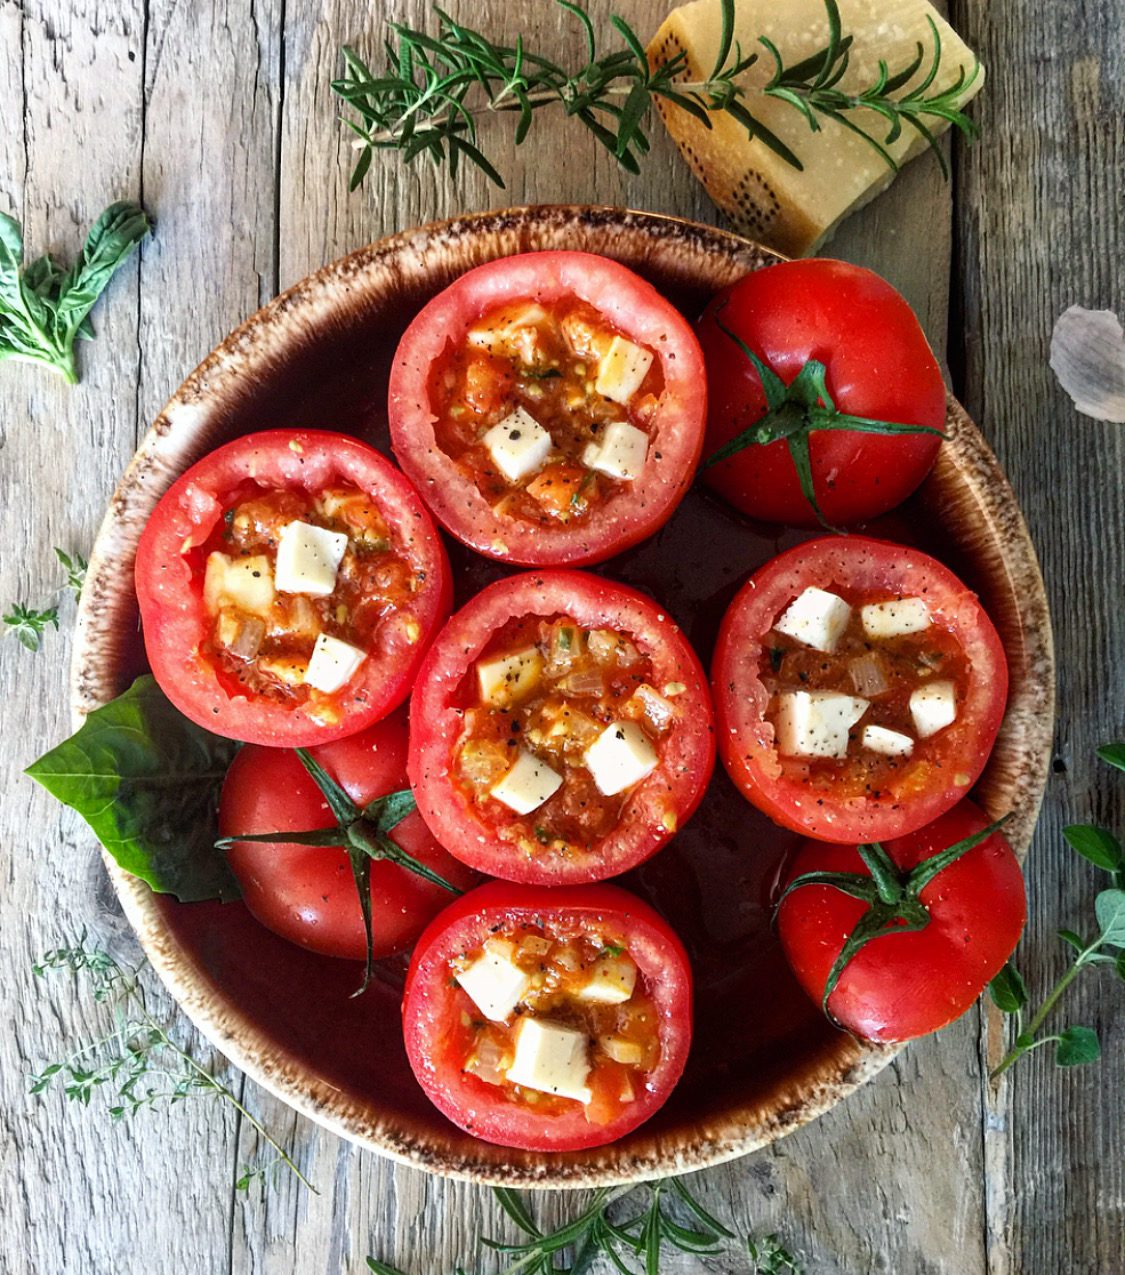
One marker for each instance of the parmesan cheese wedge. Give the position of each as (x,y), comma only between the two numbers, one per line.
(789,209)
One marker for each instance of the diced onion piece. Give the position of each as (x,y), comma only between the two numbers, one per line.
(246,583)
(620,757)
(551,1058)
(659,712)
(868,675)
(891,743)
(483,762)
(563,648)
(895,618)
(619,1050)
(505,680)
(308,558)
(587,681)
(239,634)
(608,647)
(333,664)
(290,669)
(622,369)
(533,945)
(528,784)
(816,618)
(489,1060)
(519,445)
(503,332)
(933,707)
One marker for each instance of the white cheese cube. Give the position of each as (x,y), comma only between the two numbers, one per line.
(621,756)
(494,982)
(891,743)
(816,618)
(333,663)
(308,558)
(509,678)
(519,445)
(621,454)
(816,723)
(612,980)
(551,1058)
(933,707)
(501,333)
(622,369)
(528,784)
(895,618)
(245,583)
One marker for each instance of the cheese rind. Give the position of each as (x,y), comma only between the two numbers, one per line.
(333,664)
(527,785)
(621,453)
(621,756)
(816,618)
(933,707)
(895,618)
(891,743)
(622,369)
(816,723)
(494,983)
(518,445)
(551,1058)
(308,558)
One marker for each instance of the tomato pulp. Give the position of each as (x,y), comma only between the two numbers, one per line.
(905,984)
(549,407)
(559,943)
(276,547)
(771,687)
(878,365)
(533,767)
(307,894)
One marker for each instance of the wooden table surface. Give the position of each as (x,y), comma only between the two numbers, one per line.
(220,118)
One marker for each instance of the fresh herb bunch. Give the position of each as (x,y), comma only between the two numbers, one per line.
(75,569)
(1074,1045)
(26,624)
(137,1059)
(428,98)
(44,309)
(671,1217)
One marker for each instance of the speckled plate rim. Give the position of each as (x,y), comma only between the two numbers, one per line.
(967,484)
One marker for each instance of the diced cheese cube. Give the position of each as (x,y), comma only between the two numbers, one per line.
(551,1058)
(622,369)
(629,1052)
(816,723)
(528,784)
(621,756)
(499,334)
(308,558)
(333,663)
(933,707)
(611,981)
(891,743)
(519,445)
(895,618)
(816,618)
(621,453)
(509,678)
(245,583)
(495,983)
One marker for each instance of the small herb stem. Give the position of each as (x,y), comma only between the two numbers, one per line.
(1017,1051)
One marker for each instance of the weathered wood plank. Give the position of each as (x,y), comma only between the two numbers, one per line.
(1040,228)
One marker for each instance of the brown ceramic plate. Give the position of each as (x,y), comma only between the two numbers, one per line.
(765,1061)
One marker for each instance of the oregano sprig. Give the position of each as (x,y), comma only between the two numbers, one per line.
(363,834)
(433,90)
(1105,949)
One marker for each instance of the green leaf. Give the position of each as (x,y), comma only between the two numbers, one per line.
(111,240)
(11,259)
(1097,845)
(1008,990)
(1077,1046)
(147,781)
(1076,941)
(1113,754)
(1109,907)
(1119,964)
(382,1268)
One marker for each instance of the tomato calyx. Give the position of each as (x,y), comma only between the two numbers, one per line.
(892,896)
(795,411)
(363,834)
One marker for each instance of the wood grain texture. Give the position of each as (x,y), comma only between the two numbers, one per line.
(222,119)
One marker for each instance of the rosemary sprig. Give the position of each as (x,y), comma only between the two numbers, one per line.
(137,1058)
(433,90)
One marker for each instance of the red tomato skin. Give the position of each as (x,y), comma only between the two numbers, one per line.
(637,310)
(687,757)
(746,738)
(307,894)
(879,365)
(905,985)
(170,593)
(475,1106)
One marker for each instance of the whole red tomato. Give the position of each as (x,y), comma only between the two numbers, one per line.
(308,894)
(931,952)
(797,317)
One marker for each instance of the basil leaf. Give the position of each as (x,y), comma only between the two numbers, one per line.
(1077,1045)
(11,258)
(1097,845)
(111,239)
(1113,754)
(1008,990)
(147,782)
(1110,909)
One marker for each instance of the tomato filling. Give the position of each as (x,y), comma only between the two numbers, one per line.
(862,686)
(296,587)
(560,724)
(547,408)
(551,1016)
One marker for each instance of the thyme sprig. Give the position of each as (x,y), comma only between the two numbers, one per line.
(433,90)
(137,1058)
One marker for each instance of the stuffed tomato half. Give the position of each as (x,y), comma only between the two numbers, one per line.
(550,408)
(549,1020)
(560,730)
(289,584)
(859,689)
